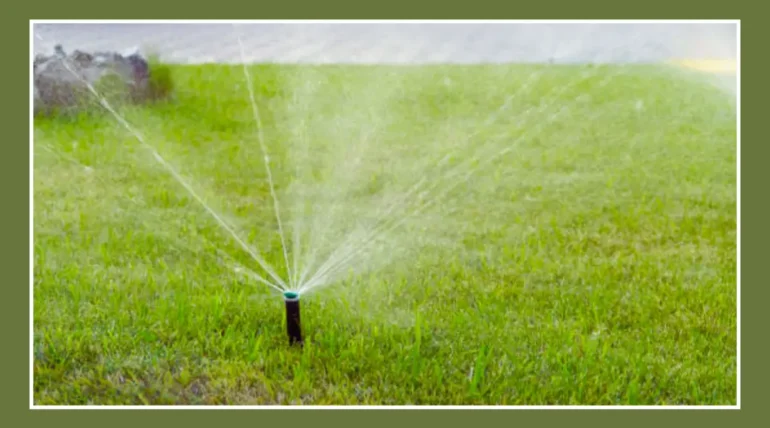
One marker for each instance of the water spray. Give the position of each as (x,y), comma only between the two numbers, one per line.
(293,325)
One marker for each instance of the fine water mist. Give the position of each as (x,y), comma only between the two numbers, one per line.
(354,191)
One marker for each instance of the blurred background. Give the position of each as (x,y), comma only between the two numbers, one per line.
(317,42)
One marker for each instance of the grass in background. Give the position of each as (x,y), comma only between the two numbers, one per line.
(595,263)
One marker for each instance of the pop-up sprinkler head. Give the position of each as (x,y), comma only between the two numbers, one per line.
(293,327)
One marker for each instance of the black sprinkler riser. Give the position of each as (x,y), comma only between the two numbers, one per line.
(293,323)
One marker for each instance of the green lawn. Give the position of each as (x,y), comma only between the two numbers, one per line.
(578,247)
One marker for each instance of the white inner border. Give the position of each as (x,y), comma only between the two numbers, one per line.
(32,405)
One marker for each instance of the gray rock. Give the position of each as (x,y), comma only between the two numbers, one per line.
(61,81)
